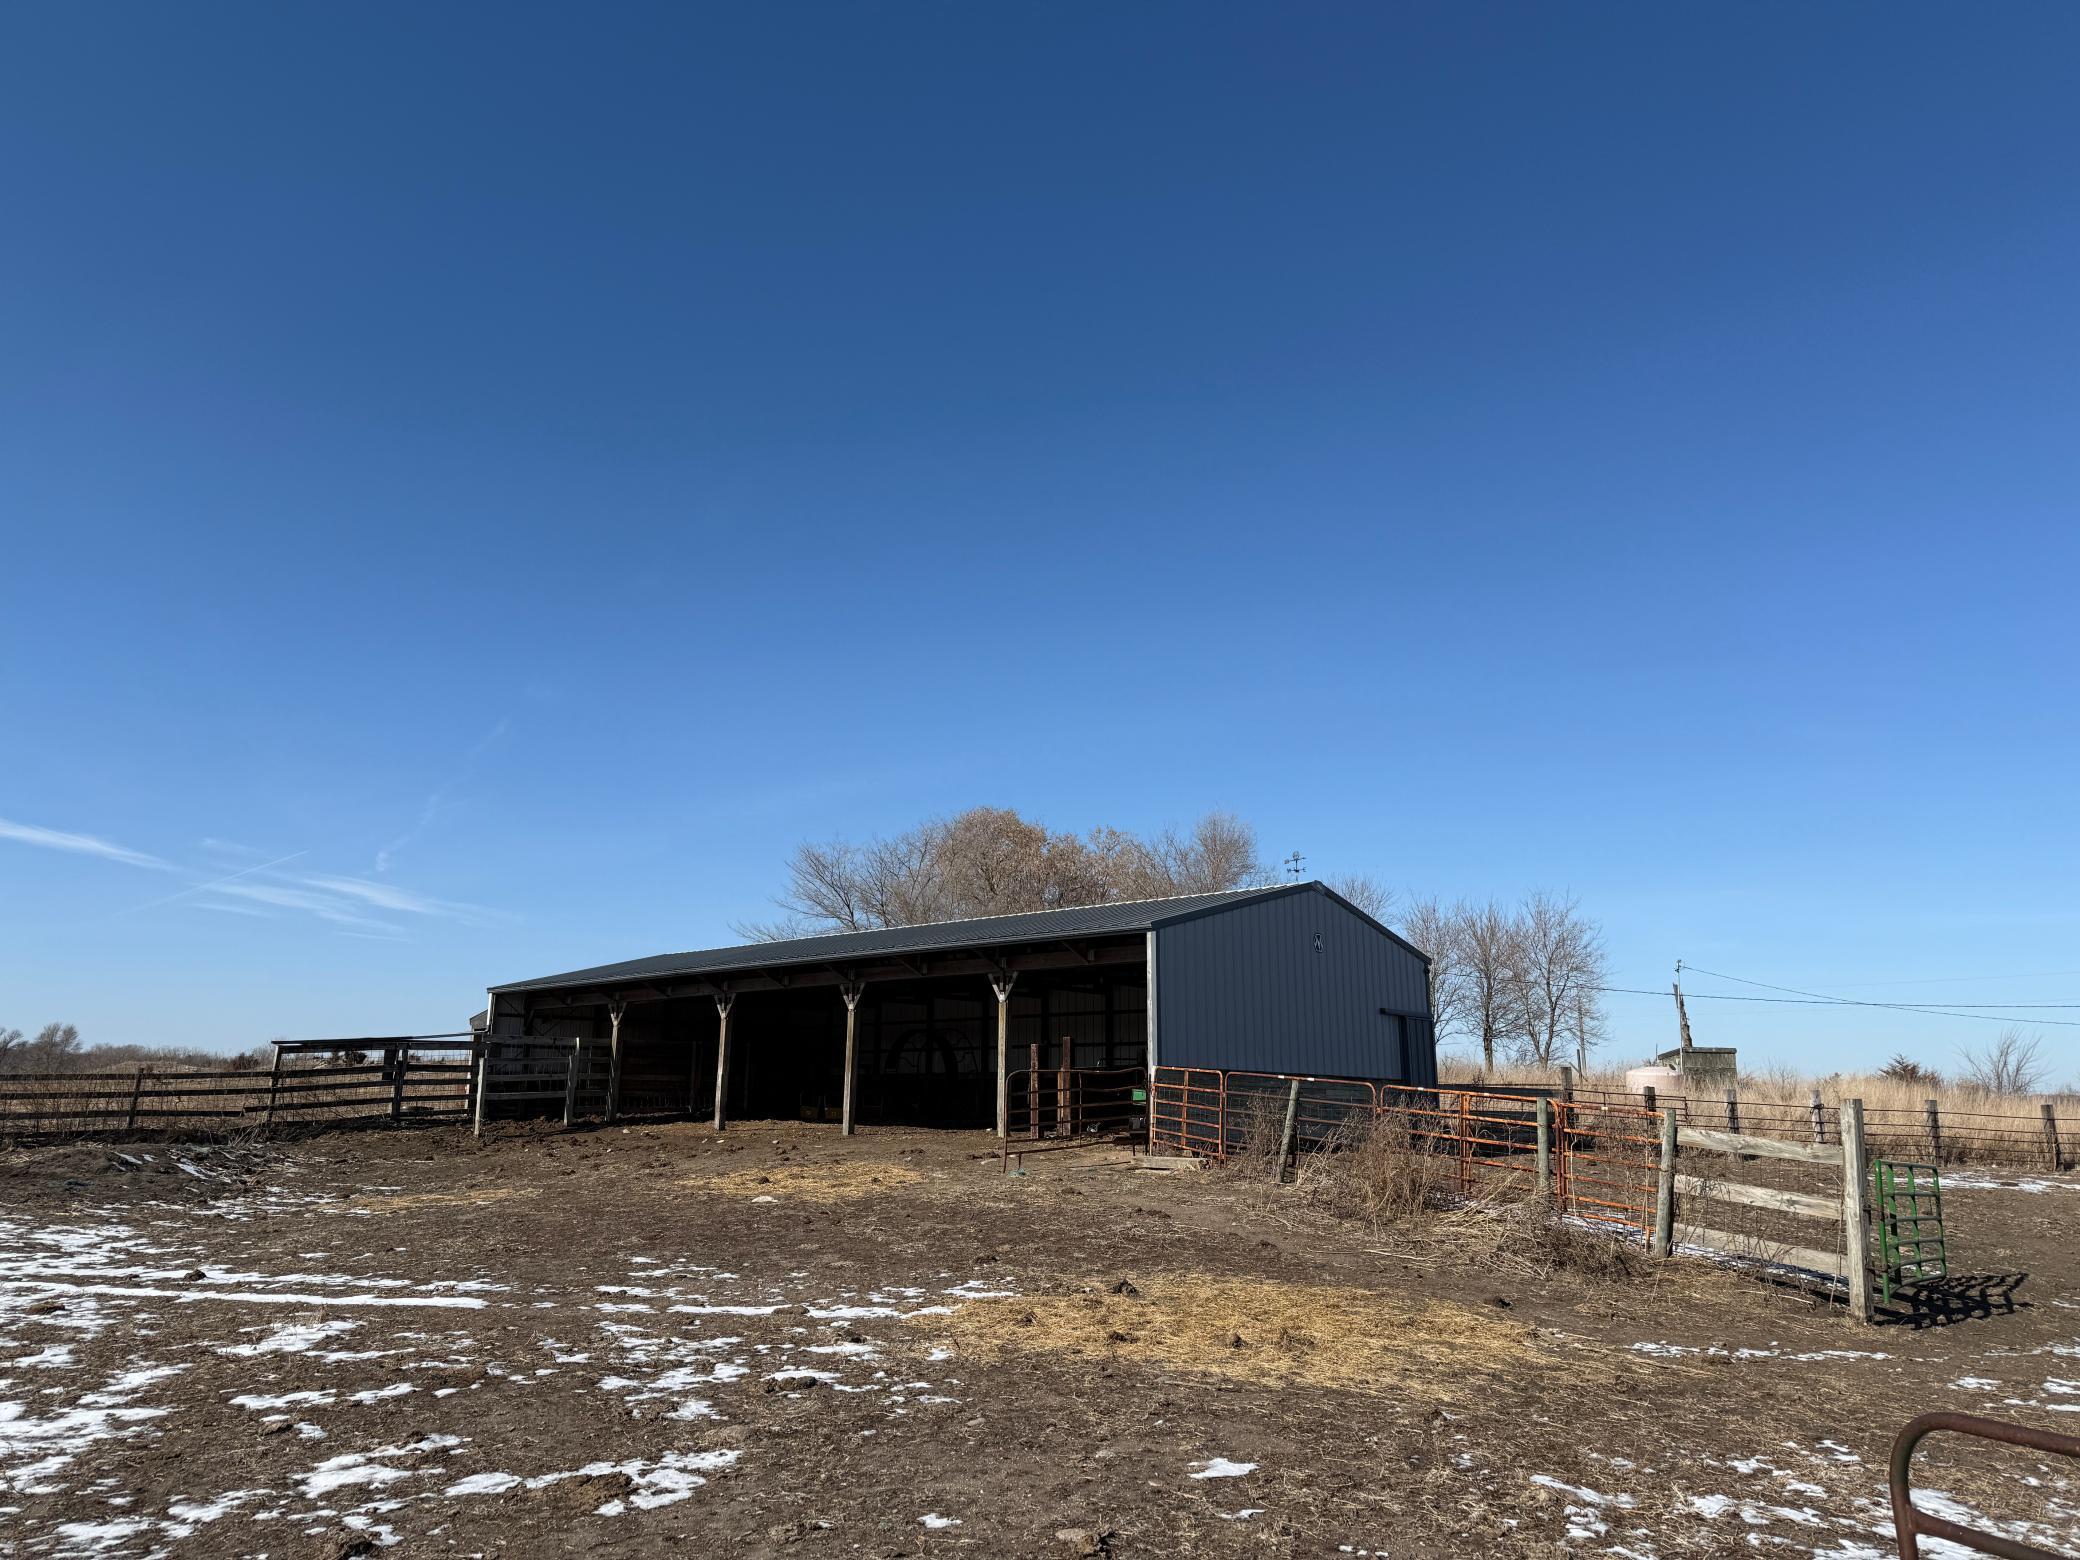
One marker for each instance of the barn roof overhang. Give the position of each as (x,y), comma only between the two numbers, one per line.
(1103,935)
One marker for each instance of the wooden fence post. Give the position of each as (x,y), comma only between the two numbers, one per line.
(1567,1084)
(1285,1138)
(1647,1096)
(1665,1189)
(1855,1211)
(394,1059)
(1935,1133)
(1733,1110)
(483,1092)
(570,1083)
(137,1092)
(1819,1119)
(1065,1084)
(274,1085)
(1545,1150)
(1033,1089)
(2051,1139)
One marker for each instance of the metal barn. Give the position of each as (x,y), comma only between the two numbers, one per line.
(956,1023)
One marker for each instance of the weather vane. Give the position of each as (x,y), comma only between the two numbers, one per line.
(1292,864)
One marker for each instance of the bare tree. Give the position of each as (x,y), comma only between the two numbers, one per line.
(1434,927)
(1219,853)
(2009,1064)
(1367,892)
(992,861)
(1491,955)
(1559,965)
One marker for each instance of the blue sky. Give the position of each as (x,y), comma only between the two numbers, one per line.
(495,478)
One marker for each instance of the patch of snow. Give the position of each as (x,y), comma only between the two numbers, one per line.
(289,1338)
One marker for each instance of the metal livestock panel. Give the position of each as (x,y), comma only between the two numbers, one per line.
(1296,983)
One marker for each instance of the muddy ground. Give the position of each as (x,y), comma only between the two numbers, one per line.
(642,1340)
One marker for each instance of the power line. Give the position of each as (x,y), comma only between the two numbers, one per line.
(1726,996)
(1923,1007)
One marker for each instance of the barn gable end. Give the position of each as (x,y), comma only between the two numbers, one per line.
(1301,982)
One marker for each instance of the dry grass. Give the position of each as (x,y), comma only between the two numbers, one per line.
(1265,1330)
(1977,1125)
(1381,1178)
(1376,1174)
(806,1183)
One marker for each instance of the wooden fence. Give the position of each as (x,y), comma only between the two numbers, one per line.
(2036,1137)
(394,1078)
(1774,1218)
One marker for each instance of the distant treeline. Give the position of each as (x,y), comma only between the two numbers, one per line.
(55,1050)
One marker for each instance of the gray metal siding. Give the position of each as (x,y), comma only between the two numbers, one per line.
(1293,984)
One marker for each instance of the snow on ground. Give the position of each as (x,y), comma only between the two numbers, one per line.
(1989,1180)
(669,1343)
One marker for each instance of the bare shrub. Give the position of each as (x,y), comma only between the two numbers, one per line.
(2010,1063)
(1257,1129)
(1379,1174)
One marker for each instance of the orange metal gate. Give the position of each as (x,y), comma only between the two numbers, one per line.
(1600,1162)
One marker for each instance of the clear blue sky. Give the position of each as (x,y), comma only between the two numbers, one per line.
(532,466)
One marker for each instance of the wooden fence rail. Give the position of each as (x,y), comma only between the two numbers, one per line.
(2032,1134)
(422,1078)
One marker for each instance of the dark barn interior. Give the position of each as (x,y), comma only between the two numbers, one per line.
(926,1049)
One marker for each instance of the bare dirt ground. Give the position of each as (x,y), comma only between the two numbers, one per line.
(642,1340)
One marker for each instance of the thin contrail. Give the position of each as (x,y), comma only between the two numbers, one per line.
(203,888)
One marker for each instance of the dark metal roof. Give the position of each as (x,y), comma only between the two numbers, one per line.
(1119,918)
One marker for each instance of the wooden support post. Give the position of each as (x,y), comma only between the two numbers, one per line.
(1855,1211)
(1065,1084)
(396,1057)
(1545,1150)
(1733,1110)
(1001,983)
(723,1003)
(850,991)
(570,1082)
(483,1091)
(137,1093)
(1647,1097)
(614,1012)
(1285,1137)
(2051,1149)
(274,1083)
(1665,1190)
(1935,1133)
(1567,1085)
(1033,1089)
(1819,1119)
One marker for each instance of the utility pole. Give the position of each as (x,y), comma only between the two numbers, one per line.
(1682,1013)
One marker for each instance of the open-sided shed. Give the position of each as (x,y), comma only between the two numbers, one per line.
(927,1024)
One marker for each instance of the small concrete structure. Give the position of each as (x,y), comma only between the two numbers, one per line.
(1704,1068)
